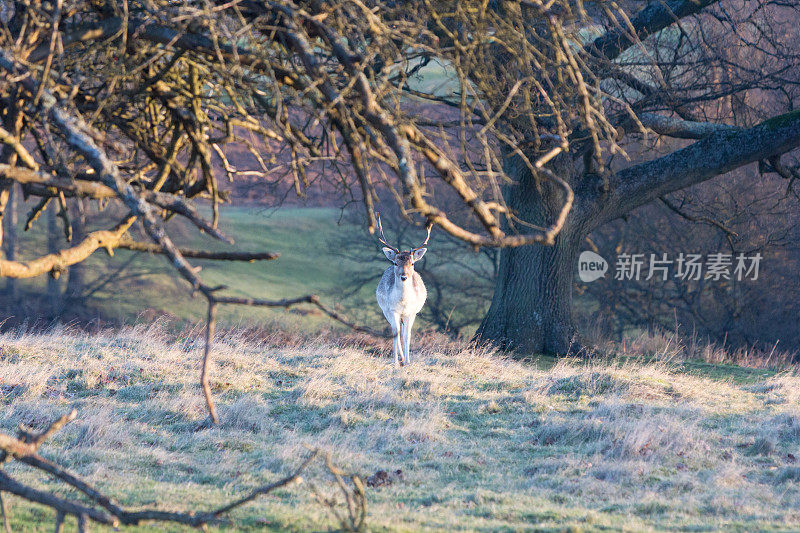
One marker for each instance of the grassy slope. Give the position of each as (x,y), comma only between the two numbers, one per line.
(305,266)
(309,241)
(300,235)
(484,443)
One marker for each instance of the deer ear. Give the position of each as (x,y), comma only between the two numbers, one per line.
(390,254)
(418,253)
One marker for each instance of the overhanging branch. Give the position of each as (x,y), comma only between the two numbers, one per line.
(148,247)
(58,261)
(45,185)
(653,18)
(712,156)
(683,129)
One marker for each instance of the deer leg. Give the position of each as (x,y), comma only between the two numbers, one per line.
(408,322)
(394,321)
(400,337)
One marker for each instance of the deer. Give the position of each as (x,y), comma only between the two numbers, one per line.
(401,294)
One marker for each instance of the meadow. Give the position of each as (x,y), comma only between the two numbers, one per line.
(145,283)
(647,441)
(482,442)
(322,250)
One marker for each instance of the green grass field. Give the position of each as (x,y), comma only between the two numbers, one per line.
(306,265)
(314,260)
(484,443)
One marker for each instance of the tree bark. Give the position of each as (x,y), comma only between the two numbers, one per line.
(531,310)
(76,276)
(10,241)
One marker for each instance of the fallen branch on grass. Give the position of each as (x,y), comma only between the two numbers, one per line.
(104,510)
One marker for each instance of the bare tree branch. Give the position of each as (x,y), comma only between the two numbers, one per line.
(716,154)
(682,129)
(654,17)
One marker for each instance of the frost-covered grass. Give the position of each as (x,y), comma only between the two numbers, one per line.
(484,443)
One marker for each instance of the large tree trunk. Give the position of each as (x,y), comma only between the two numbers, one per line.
(531,309)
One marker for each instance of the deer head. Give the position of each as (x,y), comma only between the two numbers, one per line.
(403,261)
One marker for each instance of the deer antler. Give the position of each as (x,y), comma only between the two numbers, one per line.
(430,227)
(382,238)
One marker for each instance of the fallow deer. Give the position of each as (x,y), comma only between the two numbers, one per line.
(401,294)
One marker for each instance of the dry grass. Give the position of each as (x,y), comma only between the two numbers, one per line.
(673,346)
(483,442)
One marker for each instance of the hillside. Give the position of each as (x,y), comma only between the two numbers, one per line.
(322,252)
(146,283)
(483,443)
